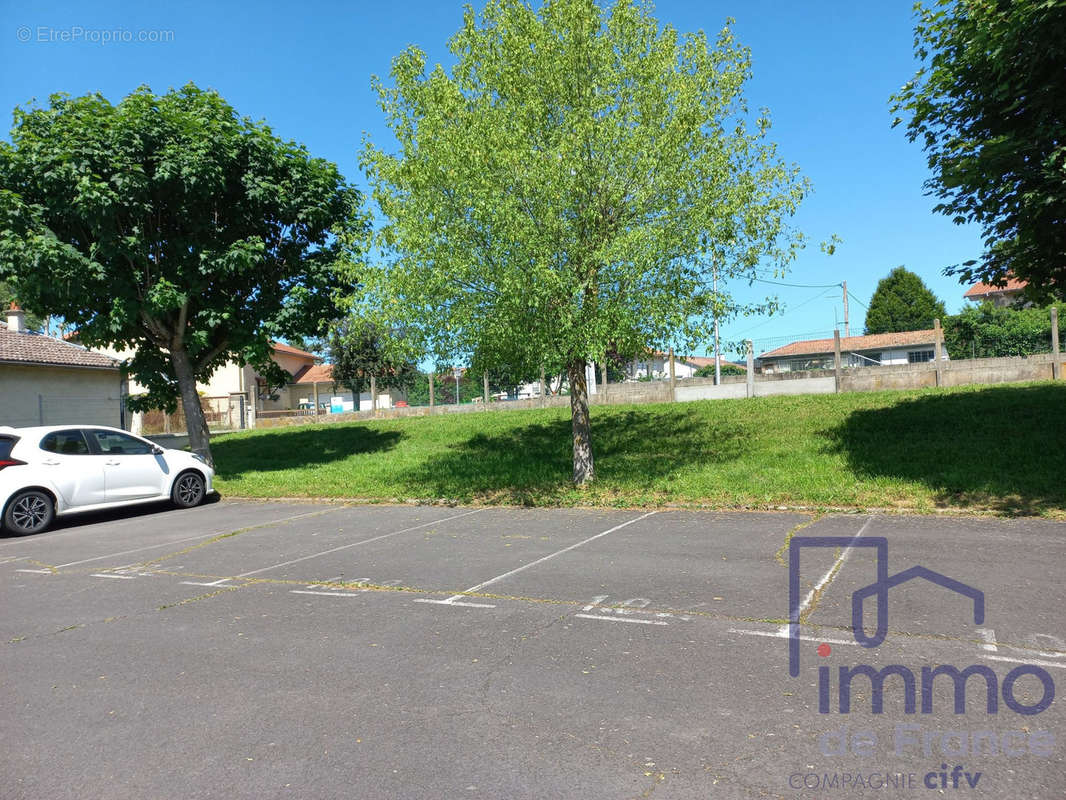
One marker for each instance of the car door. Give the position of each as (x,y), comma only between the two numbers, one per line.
(132,471)
(75,471)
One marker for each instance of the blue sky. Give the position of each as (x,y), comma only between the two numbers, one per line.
(824,69)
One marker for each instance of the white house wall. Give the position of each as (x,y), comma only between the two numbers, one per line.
(31,395)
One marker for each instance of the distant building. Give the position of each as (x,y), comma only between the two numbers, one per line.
(1010,295)
(46,381)
(879,349)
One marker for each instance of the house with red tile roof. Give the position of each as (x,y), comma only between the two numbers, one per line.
(1012,293)
(879,349)
(46,381)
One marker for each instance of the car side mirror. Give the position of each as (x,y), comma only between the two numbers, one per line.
(158,451)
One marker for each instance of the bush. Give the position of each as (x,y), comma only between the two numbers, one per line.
(989,331)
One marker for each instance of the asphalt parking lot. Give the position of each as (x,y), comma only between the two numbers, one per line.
(326,651)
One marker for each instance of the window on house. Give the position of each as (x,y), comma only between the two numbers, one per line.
(919,356)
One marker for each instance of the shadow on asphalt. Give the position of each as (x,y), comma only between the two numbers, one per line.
(634,449)
(301,448)
(1003,449)
(109,515)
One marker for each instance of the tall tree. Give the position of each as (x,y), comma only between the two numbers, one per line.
(359,350)
(171,226)
(569,186)
(989,106)
(902,302)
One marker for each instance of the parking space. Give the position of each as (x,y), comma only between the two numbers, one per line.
(427,651)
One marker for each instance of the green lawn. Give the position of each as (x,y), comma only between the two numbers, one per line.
(997,449)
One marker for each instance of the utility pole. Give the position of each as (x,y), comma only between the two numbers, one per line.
(717,352)
(847,329)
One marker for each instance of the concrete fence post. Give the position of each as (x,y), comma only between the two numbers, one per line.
(1056,363)
(673,378)
(750,389)
(838,365)
(938,351)
(603,380)
(543,390)
(485,388)
(314,387)
(432,387)
(373,394)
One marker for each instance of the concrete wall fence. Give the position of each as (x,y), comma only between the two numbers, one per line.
(855,379)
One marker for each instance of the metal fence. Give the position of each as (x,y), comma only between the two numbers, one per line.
(222,414)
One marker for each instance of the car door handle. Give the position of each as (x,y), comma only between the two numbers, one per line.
(112,463)
(51,462)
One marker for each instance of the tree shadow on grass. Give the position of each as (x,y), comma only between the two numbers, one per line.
(1001,448)
(634,450)
(297,449)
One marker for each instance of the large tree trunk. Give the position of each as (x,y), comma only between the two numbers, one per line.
(195,423)
(579,418)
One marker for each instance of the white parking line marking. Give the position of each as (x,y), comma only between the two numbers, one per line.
(227,529)
(138,549)
(989,636)
(117,577)
(451,601)
(221,582)
(622,619)
(36,571)
(356,544)
(779,634)
(325,594)
(806,603)
(1036,662)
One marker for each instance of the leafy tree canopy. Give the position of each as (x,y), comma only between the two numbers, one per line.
(990,331)
(989,107)
(359,349)
(902,302)
(171,226)
(571,185)
(7,297)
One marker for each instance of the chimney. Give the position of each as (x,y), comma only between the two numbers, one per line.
(16,319)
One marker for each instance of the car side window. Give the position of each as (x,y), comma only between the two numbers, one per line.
(112,443)
(65,443)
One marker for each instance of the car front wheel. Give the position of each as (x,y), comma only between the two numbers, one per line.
(189,490)
(29,512)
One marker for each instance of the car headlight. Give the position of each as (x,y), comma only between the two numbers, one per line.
(200,458)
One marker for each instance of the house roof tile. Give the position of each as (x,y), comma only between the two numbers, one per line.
(871,342)
(315,373)
(33,348)
(281,347)
(986,289)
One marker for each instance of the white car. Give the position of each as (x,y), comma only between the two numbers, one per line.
(58,470)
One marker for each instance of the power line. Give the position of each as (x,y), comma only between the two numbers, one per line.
(787,312)
(800,285)
(857,300)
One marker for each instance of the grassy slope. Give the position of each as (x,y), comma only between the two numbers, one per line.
(998,448)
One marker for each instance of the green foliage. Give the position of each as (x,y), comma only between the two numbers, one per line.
(988,331)
(571,185)
(470,386)
(726,369)
(988,106)
(7,296)
(358,349)
(866,450)
(171,226)
(902,302)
